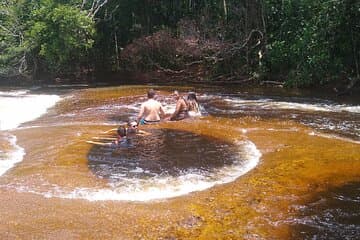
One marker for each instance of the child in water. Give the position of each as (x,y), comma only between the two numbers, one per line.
(122,133)
(130,130)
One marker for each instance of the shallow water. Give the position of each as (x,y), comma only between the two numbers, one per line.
(254,166)
(333,214)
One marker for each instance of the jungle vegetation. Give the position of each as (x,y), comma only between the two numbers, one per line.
(293,42)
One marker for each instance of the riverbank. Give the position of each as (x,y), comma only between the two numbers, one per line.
(165,79)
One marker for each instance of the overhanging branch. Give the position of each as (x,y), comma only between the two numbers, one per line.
(96,6)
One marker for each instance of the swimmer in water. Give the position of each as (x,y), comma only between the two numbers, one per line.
(181,109)
(122,133)
(193,104)
(151,111)
(132,129)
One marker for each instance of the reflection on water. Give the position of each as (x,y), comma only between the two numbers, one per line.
(334,214)
(163,152)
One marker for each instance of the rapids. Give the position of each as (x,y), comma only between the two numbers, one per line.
(252,166)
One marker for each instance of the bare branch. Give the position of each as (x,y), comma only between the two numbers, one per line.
(168,70)
(23,65)
(193,63)
(245,43)
(272,83)
(83,4)
(99,6)
(9,31)
(96,6)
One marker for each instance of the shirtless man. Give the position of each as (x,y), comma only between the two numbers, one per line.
(151,111)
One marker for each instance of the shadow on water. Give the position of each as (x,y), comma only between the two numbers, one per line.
(163,152)
(330,215)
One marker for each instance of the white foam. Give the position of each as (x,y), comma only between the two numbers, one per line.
(195,114)
(272,104)
(159,187)
(9,159)
(18,107)
(332,136)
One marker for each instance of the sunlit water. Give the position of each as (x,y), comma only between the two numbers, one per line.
(325,115)
(330,215)
(175,159)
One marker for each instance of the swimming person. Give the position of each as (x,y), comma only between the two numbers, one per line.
(193,104)
(121,133)
(132,129)
(151,111)
(181,109)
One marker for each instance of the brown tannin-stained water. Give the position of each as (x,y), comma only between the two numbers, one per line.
(253,166)
(163,152)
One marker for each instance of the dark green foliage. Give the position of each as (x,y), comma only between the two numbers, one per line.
(43,36)
(312,42)
(61,34)
(12,49)
(301,42)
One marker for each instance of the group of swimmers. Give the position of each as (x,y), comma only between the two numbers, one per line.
(151,111)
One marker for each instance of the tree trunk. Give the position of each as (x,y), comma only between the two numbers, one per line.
(116,51)
(225,9)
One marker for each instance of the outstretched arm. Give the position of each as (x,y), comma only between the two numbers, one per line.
(141,113)
(111,130)
(177,110)
(99,143)
(141,132)
(162,112)
(105,138)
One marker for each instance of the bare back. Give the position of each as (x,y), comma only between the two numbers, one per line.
(151,110)
(181,110)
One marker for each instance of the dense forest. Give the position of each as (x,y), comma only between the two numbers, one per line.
(295,42)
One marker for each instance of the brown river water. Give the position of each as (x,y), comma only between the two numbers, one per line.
(257,164)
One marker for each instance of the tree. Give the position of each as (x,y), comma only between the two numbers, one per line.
(12,28)
(313,42)
(43,36)
(60,34)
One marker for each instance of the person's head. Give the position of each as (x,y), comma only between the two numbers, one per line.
(151,93)
(132,126)
(176,95)
(121,131)
(192,96)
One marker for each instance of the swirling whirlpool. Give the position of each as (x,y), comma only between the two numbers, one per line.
(168,163)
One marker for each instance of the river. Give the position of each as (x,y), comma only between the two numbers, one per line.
(258,164)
